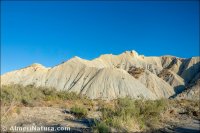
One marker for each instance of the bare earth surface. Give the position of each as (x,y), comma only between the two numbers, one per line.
(187,125)
(47,116)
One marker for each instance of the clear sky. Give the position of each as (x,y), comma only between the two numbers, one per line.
(50,32)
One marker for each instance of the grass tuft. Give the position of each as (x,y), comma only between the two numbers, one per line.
(79,112)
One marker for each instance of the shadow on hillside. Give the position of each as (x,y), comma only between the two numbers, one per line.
(178,89)
(193,71)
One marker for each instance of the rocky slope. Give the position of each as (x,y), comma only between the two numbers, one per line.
(112,76)
(192,92)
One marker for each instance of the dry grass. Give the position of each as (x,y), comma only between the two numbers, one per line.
(79,112)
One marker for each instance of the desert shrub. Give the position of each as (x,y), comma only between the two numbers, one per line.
(150,111)
(6,95)
(79,112)
(26,102)
(145,113)
(18,110)
(127,107)
(49,93)
(27,95)
(65,95)
(121,114)
(101,127)
(53,94)
(20,94)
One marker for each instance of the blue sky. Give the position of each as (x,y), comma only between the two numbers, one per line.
(50,32)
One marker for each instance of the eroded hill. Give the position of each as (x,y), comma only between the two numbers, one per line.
(113,76)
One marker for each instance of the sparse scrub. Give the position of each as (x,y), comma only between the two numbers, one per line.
(101,127)
(79,112)
(18,110)
(50,94)
(150,111)
(65,95)
(123,114)
(127,111)
(27,95)
(20,94)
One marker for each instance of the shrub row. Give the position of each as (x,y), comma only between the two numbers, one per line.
(29,94)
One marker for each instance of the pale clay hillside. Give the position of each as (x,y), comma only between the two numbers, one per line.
(113,76)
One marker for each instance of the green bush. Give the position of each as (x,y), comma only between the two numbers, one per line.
(79,112)
(49,94)
(150,111)
(127,107)
(101,127)
(145,112)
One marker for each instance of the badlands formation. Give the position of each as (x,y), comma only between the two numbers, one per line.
(112,76)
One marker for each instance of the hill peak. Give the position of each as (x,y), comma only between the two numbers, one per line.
(37,65)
